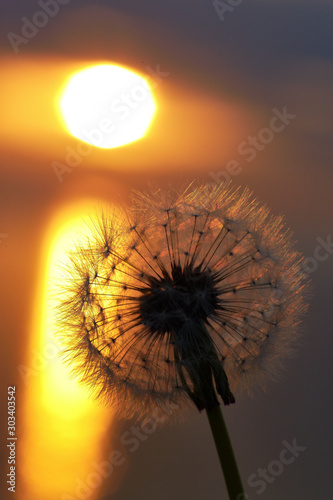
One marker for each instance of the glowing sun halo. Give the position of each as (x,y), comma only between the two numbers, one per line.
(107,105)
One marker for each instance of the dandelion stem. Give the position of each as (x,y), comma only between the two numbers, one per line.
(225,453)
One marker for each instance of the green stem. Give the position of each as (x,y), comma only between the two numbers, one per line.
(226,454)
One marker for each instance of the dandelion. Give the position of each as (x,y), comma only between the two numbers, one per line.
(185,298)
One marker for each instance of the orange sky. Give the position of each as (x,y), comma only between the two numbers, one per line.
(186,119)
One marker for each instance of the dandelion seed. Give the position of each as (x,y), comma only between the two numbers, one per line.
(183,298)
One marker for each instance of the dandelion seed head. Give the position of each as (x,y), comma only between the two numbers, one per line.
(184,298)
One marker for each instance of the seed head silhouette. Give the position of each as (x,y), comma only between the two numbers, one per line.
(183,297)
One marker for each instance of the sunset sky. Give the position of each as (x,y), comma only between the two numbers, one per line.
(244,95)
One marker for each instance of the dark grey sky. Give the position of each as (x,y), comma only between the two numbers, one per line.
(257,38)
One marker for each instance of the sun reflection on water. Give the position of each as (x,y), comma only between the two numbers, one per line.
(63,427)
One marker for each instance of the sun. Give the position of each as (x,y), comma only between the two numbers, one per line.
(107,105)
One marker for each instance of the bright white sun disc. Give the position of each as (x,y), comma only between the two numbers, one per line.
(107,106)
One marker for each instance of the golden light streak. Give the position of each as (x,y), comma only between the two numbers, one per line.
(191,130)
(63,428)
(107,105)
